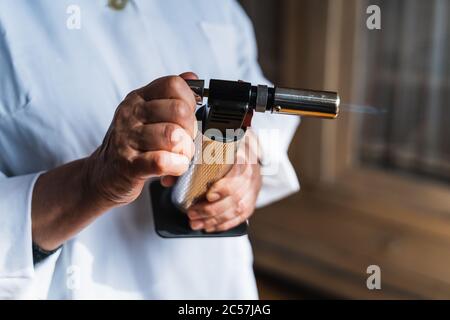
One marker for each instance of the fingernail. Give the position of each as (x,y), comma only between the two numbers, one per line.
(213,197)
(209,230)
(196,225)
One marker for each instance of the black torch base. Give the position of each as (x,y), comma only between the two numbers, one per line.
(171,222)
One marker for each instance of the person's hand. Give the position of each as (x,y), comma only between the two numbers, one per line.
(231,200)
(151,135)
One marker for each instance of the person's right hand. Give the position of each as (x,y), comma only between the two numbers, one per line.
(151,135)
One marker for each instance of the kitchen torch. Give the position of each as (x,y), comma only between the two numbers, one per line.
(229,108)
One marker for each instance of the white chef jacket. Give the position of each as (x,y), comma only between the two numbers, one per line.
(59,88)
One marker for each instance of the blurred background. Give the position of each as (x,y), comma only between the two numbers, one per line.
(375,186)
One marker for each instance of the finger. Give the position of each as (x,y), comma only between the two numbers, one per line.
(170,87)
(205,209)
(240,207)
(168,181)
(159,163)
(167,110)
(230,224)
(189,75)
(225,209)
(206,215)
(243,207)
(133,98)
(162,136)
(123,116)
(210,224)
(232,181)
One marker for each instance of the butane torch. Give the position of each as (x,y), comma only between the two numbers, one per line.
(230,106)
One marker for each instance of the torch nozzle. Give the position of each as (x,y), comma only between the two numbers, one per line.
(310,103)
(261,98)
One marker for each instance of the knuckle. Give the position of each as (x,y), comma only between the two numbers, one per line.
(134,136)
(242,208)
(118,141)
(236,198)
(169,131)
(209,211)
(181,110)
(131,97)
(226,217)
(123,154)
(128,161)
(226,226)
(198,212)
(123,112)
(222,187)
(140,110)
(175,83)
(136,132)
(132,94)
(210,222)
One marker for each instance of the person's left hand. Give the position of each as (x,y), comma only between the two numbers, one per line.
(231,200)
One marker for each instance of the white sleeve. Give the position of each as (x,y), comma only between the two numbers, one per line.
(18,276)
(275,132)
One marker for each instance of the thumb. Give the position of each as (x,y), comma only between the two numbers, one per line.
(189,76)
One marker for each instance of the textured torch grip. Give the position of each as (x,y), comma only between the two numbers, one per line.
(212,161)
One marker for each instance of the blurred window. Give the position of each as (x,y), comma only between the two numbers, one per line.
(408,77)
(362,202)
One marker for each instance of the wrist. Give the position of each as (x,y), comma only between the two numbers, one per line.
(108,184)
(63,203)
(93,187)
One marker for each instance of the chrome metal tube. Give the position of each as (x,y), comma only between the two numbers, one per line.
(311,103)
(300,102)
